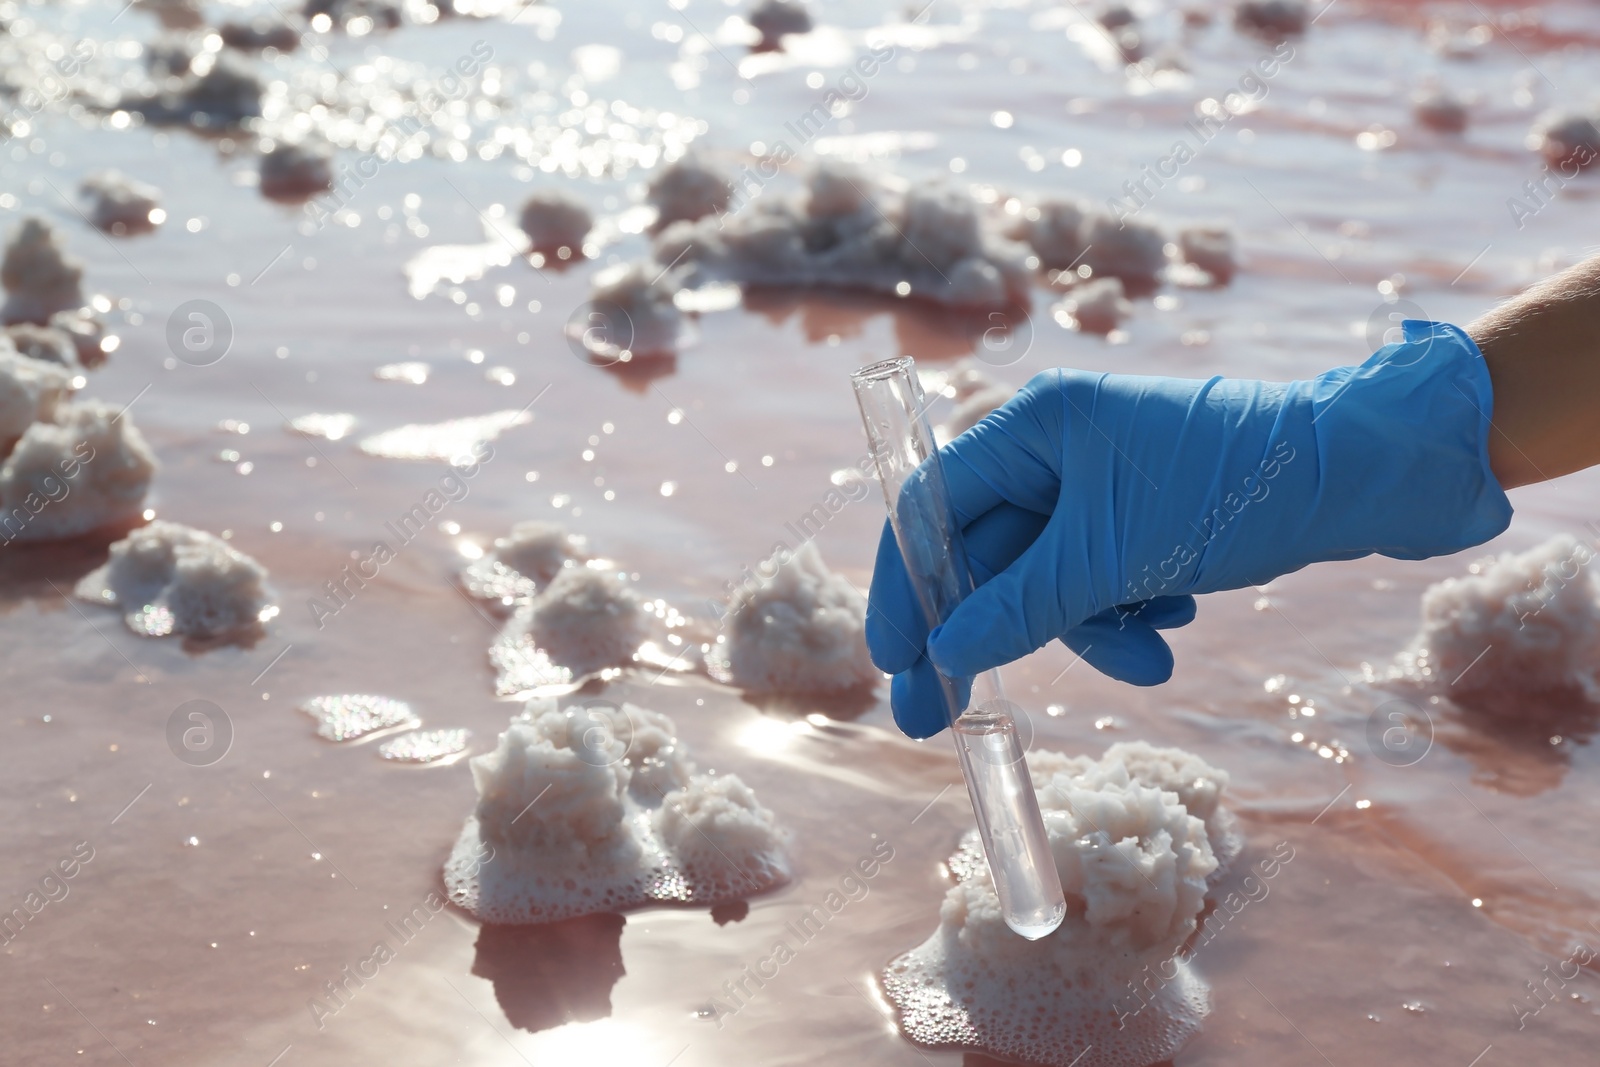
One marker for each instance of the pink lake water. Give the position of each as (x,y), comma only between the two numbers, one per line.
(219,899)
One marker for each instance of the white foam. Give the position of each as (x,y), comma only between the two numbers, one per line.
(39,276)
(554,219)
(519,564)
(688,189)
(799,631)
(1134,864)
(173,579)
(1518,623)
(121,205)
(597,808)
(848,230)
(87,470)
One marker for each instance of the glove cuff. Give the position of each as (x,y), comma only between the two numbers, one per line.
(1404,444)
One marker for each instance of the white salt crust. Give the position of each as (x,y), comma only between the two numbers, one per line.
(40,278)
(1516,623)
(847,230)
(584,621)
(86,470)
(597,808)
(49,344)
(1135,861)
(688,189)
(121,205)
(801,631)
(518,565)
(1098,306)
(554,219)
(173,579)
(30,392)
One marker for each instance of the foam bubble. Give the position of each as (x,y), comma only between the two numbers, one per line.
(1518,623)
(597,808)
(173,579)
(1135,862)
(801,630)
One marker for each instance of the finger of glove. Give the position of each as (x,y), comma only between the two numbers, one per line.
(1162,612)
(1128,649)
(1031,602)
(1009,457)
(896,630)
(997,538)
(918,699)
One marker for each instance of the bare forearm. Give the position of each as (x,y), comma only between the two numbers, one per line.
(1543,352)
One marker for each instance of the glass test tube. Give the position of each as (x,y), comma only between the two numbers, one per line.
(1014,842)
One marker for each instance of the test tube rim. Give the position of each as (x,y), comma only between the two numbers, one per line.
(883,370)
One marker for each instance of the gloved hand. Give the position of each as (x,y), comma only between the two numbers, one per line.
(1095,505)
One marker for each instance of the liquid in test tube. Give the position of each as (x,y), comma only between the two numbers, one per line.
(894,412)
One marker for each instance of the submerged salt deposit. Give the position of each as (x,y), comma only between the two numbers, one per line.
(846,230)
(1516,624)
(776,19)
(797,629)
(1132,834)
(622,820)
(86,469)
(173,579)
(39,276)
(122,205)
(518,565)
(295,171)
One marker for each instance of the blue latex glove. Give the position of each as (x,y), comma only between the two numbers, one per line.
(1095,505)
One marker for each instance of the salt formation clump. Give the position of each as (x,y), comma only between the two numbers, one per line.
(845,231)
(583,622)
(799,631)
(775,19)
(1099,306)
(226,94)
(118,204)
(631,314)
(522,562)
(976,394)
(295,172)
(1440,110)
(1065,233)
(689,189)
(1519,623)
(1135,860)
(385,13)
(44,343)
(1273,18)
(40,278)
(173,579)
(30,391)
(1568,141)
(1212,249)
(258,34)
(621,821)
(87,333)
(554,220)
(87,470)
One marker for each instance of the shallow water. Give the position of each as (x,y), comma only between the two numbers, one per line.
(220,898)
